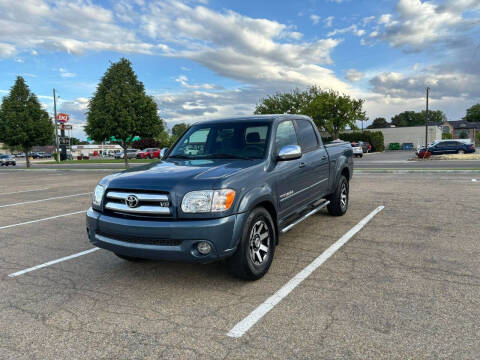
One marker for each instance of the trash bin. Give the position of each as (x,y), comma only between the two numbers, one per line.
(394,146)
(407,146)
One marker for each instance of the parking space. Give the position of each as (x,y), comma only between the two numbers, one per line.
(405,286)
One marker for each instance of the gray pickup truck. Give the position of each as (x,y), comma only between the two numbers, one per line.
(226,189)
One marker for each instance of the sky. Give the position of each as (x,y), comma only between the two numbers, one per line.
(209,59)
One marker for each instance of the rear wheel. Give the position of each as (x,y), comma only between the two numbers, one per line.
(339,199)
(129,258)
(255,251)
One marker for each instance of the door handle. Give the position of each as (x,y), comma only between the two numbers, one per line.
(324,157)
(301,165)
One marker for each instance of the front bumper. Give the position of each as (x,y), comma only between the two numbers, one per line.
(165,239)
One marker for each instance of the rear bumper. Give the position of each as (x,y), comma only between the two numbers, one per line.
(173,240)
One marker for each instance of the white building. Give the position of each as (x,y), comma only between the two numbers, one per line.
(95,150)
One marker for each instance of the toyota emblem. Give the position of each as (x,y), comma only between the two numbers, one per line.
(132,201)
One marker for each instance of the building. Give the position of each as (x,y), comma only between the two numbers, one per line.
(408,134)
(94,150)
(461,129)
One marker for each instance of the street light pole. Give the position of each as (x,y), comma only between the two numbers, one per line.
(426,120)
(55,125)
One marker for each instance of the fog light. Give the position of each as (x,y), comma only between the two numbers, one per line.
(204,247)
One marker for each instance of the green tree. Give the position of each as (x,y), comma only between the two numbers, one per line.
(177,131)
(23,122)
(478,138)
(328,109)
(463,135)
(446,136)
(412,118)
(334,112)
(287,103)
(379,123)
(473,114)
(120,108)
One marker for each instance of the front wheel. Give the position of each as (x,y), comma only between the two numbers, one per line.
(339,199)
(255,251)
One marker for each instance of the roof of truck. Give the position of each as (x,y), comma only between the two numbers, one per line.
(254,118)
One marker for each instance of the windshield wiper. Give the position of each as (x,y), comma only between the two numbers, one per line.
(179,156)
(227,156)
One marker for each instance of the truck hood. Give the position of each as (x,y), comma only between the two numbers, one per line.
(171,175)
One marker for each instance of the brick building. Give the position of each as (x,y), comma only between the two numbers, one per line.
(461,129)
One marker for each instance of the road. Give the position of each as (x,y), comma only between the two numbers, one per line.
(405,286)
(386,160)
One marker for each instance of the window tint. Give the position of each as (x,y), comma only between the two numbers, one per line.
(285,135)
(306,134)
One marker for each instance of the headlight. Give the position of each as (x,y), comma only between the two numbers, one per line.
(98,195)
(208,201)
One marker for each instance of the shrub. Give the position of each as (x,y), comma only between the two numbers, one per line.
(446,136)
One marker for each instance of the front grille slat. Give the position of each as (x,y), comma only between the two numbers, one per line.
(144,203)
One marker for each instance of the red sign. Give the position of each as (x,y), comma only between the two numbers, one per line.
(63,118)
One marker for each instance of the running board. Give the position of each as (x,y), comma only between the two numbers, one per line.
(307,215)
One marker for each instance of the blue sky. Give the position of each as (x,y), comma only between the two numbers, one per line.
(208,59)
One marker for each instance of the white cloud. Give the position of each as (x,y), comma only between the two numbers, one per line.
(354,75)
(328,21)
(7,50)
(183,80)
(66,74)
(419,25)
(315,19)
(352,28)
(368,19)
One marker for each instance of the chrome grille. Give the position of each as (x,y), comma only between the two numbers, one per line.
(139,203)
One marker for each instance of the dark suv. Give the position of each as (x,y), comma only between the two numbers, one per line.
(451,147)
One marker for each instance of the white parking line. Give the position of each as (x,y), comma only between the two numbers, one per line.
(243,326)
(41,200)
(24,191)
(53,262)
(44,219)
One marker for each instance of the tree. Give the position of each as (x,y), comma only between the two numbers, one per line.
(23,122)
(328,109)
(473,114)
(120,108)
(334,112)
(379,123)
(287,103)
(478,138)
(412,118)
(463,135)
(145,143)
(177,131)
(446,136)
(75,141)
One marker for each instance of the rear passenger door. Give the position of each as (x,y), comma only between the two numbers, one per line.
(315,159)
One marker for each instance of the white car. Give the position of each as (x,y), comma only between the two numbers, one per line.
(357,151)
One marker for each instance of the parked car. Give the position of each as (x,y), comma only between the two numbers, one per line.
(148,153)
(451,147)
(366,147)
(251,179)
(423,153)
(41,155)
(131,154)
(357,150)
(6,160)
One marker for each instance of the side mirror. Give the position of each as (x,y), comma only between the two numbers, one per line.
(290,152)
(163,151)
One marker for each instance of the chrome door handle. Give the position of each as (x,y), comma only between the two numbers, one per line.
(301,165)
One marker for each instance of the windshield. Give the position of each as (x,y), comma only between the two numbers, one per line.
(238,140)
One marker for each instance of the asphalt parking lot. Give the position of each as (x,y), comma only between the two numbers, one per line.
(406,286)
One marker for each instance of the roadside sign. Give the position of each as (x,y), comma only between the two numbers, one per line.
(64,140)
(63,118)
(65,127)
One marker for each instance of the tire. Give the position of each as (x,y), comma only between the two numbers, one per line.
(254,255)
(339,199)
(361,155)
(461,152)
(129,258)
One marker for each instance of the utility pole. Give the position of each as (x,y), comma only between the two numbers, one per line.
(426,120)
(55,124)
